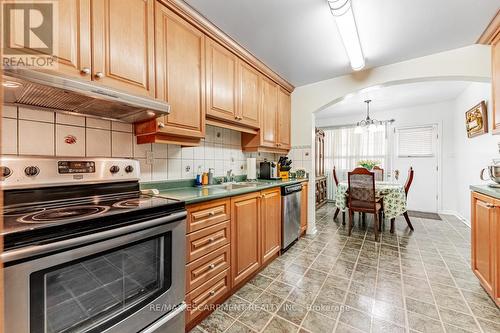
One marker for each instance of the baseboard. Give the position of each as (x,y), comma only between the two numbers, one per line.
(457,215)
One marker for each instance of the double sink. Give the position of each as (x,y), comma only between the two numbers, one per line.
(236,186)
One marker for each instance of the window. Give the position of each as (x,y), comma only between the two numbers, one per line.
(415,141)
(344,149)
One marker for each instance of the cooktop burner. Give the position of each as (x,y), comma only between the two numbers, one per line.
(132,203)
(62,214)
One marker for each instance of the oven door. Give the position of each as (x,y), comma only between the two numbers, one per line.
(101,284)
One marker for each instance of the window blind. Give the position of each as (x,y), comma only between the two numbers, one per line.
(416,141)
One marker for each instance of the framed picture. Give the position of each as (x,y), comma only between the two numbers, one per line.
(476,120)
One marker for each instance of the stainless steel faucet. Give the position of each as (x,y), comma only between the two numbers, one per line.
(229,176)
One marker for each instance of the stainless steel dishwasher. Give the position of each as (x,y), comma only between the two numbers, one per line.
(290,214)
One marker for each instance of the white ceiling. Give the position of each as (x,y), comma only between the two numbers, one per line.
(299,40)
(395,97)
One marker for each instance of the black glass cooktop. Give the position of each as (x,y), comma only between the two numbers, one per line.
(65,211)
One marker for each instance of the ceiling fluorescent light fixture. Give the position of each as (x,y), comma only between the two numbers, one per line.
(346,24)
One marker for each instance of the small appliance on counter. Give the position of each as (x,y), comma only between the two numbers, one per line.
(493,173)
(268,170)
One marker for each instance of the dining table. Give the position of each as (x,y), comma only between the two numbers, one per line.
(393,193)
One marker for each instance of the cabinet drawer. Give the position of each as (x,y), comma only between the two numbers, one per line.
(207,294)
(205,268)
(207,214)
(202,242)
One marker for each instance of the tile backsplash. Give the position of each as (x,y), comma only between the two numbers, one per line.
(33,132)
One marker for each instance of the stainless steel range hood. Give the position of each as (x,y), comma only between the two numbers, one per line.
(42,90)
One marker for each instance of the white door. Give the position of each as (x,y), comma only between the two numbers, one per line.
(417,147)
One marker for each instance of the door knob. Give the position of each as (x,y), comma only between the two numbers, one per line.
(99,75)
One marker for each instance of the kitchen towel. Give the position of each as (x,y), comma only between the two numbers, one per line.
(251,168)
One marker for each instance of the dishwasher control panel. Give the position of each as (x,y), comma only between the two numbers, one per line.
(291,189)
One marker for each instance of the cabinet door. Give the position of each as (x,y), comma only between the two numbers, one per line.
(303,208)
(284,115)
(221,82)
(249,95)
(245,231)
(484,216)
(123,44)
(72,51)
(270,224)
(495,66)
(180,73)
(269,95)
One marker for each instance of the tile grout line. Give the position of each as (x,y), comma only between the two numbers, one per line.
(407,321)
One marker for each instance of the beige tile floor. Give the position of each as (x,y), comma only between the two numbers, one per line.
(409,282)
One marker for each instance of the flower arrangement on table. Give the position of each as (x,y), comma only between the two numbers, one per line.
(368,164)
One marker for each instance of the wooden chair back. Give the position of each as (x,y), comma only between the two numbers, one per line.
(335,177)
(379,173)
(361,190)
(409,180)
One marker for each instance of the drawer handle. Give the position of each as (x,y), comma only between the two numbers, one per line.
(212,293)
(211,266)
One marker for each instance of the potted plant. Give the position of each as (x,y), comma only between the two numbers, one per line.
(368,164)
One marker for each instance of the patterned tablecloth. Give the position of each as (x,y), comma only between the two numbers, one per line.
(393,193)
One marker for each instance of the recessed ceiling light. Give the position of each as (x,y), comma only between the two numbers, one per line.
(346,24)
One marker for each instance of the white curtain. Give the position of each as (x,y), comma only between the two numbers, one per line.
(344,149)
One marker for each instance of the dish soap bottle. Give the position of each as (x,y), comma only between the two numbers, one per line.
(198,177)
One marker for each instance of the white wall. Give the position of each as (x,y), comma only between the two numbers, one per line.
(437,113)
(468,62)
(461,158)
(471,155)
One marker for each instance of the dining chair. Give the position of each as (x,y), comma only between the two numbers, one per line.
(409,180)
(379,173)
(337,211)
(362,197)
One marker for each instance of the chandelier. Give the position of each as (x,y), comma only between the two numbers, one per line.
(372,125)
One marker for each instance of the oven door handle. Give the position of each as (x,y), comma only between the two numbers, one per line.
(35,250)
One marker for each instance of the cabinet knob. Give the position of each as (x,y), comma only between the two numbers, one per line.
(210,240)
(211,266)
(212,292)
(161,125)
(212,213)
(85,71)
(99,75)
(490,206)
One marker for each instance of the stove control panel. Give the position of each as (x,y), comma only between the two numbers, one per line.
(76,166)
(34,172)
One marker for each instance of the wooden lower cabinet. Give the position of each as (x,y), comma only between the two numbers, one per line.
(303,208)
(320,191)
(245,237)
(228,242)
(485,243)
(270,224)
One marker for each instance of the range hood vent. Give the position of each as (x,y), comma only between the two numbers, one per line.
(46,91)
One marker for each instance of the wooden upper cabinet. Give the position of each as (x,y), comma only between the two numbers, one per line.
(123,44)
(180,73)
(495,57)
(268,127)
(284,121)
(245,235)
(249,95)
(221,82)
(73,51)
(270,224)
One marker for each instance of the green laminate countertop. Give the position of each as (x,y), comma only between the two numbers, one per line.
(185,190)
(486,190)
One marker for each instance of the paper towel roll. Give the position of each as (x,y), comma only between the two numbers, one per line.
(251,168)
